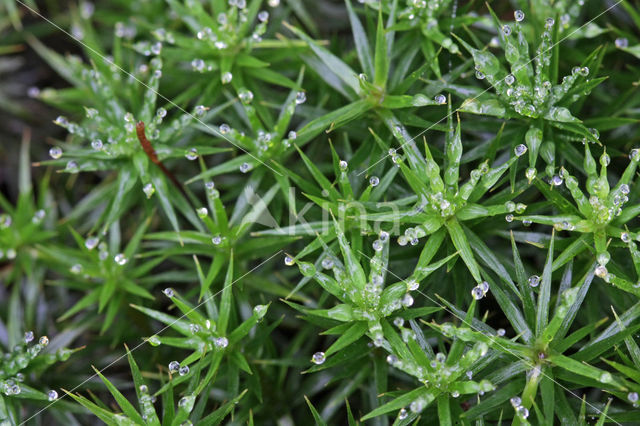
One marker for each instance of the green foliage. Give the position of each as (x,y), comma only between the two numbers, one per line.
(428,167)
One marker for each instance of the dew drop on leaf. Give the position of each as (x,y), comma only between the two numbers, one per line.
(55,152)
(318,358)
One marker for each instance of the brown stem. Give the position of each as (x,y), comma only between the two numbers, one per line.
(151,153)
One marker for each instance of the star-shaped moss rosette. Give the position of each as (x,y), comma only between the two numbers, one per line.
(444,203)
(226,41)
(365,300)
(527,89)
(124,131)
(599,214)
(210,340)
(108,275)
(382,86)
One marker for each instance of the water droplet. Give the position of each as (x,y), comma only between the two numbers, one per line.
(224,128)
(520,150)
(184,370)
(343,165)
(61,121)
(192,154)
(509,218)
(584,71)
(97,144)
(246,96)
(506,30)
(200,110)
(374,181)
(515,401)
(38,216)
(417,405)
(44,340)
(120,259)
(221,342)
(509,79)
(601,271)
(518,15)
(441,99)
(479,75)
(549,22)
(148,190)
(624,189)
(245,167)
(76,269)
(398,322)
(531,174)
(198,65)
(292,135)
(289,261)
(377,245)
(500,332)
(327,263)
(174,366)
(622,43)
(632,396)
(216,240)
(403,414)
(169,292)
(522,412)
(477,293)
(318,358)
(71,167)
(156,48)
(263,16)
(55,152)
(28,337)
(202,212)
(226,78)
(534,280)
(52,395)
(407,300)
(301,98)
(556,180)
(33,92)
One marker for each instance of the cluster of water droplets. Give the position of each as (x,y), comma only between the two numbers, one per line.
(425,14)
(205,333)
(264,143)
(480,290)
(112,134)
(444,375)
(229,33)
(521,411)
(529,91)
(18,359)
